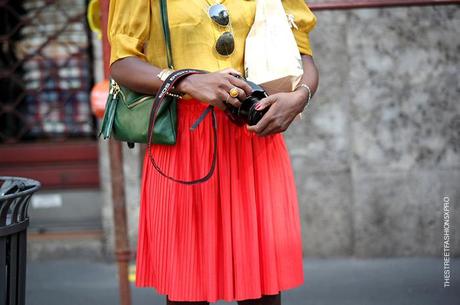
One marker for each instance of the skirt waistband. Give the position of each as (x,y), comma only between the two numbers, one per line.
(194,105)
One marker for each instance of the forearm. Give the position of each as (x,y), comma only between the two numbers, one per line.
(285,106)
(310,75)
(136,74)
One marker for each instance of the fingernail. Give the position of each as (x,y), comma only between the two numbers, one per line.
(258,106)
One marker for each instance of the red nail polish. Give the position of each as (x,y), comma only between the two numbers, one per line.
(258,106)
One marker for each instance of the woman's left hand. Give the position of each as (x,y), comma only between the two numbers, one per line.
(284,108)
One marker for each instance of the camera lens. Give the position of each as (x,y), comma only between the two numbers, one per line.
(249,112)
(246,113)
(256,115)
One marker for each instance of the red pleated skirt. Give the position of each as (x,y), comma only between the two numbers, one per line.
(236,236)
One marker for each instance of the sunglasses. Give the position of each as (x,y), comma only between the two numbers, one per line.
(225,44)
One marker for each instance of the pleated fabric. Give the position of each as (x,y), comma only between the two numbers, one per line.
(236,236)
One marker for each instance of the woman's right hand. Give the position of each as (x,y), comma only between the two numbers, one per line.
(213,88)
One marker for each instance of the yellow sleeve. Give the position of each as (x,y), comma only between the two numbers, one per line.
(128,28)
(305,21)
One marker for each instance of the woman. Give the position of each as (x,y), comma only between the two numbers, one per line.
(236,237)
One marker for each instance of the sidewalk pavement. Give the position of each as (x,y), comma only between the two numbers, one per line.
(393,281)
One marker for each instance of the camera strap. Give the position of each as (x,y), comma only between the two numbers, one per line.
(166,88)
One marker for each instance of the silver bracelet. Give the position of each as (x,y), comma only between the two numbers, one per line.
(308,98)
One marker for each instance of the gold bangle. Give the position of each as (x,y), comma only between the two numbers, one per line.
(163,75)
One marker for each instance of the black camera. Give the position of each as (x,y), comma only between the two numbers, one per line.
(246,113)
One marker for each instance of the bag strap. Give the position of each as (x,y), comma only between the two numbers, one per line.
(111,104)
(167,86)
(166,33)
(156,106)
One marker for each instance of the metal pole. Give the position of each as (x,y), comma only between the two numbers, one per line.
(122,251)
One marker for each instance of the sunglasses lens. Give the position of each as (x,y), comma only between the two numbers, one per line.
(225,44)
(219,14)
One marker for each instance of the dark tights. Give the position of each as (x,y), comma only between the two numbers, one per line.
(168,302)
(264,300)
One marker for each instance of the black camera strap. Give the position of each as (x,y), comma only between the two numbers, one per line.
(166,88)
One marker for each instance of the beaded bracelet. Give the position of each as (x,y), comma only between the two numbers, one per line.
(174,95)
(163,75)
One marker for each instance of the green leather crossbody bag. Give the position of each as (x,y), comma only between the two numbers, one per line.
(138,118)
(126,113)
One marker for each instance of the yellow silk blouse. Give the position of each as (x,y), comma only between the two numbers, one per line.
(135,29)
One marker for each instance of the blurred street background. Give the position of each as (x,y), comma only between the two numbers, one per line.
(345,281)
(376,157)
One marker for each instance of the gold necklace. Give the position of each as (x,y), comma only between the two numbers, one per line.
(215,2)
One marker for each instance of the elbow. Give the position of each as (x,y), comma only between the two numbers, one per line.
(116,69)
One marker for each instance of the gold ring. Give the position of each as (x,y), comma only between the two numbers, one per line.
(234,92)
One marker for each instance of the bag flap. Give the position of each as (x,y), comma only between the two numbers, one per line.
(132,98)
